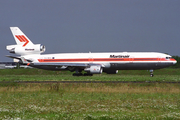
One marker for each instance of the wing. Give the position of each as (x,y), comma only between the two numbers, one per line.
(62,66)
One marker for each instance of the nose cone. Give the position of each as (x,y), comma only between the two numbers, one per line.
(174,62)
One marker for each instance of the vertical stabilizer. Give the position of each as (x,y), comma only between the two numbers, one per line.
(20,37)
(24,45)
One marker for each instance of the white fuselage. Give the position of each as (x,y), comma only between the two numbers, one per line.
(110,60)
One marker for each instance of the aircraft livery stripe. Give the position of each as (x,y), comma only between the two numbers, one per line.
(26,40)
(22,38)
(102,59)
(19,38)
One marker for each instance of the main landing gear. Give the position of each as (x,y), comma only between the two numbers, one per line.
(151,73)
(78,73)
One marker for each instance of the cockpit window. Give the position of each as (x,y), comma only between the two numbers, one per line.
(168,57)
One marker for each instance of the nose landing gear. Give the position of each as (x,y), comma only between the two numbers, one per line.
(151,73)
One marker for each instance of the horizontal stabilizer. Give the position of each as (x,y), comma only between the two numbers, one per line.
(21,59)
(13,57)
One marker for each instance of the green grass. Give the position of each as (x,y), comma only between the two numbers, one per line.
(124,75)
(161,78)
(167,71)
(89,101)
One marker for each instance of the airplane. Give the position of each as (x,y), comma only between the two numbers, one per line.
(85,64)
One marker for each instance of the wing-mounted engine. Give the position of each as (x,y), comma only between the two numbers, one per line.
(94,69)
(32,49)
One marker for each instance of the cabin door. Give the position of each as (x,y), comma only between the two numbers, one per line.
(159,59)
(131,60)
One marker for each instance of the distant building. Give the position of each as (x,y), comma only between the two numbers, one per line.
(2,66)
(10,65)
(5,65)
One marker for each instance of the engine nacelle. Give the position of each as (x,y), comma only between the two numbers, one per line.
(33,49)
(94,69)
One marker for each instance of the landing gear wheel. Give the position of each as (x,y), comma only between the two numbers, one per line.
(151,75)
(88,74)
(77,74)
(151,71)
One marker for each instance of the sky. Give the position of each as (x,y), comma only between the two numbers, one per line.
(80,26)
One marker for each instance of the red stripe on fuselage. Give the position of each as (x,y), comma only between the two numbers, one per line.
(104,60)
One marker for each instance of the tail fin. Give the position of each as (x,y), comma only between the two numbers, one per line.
(24,45)
(20,37)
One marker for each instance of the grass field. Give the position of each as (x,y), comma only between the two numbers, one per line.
(124,75)
(89,101)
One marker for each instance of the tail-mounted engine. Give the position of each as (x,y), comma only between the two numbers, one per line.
(32,49)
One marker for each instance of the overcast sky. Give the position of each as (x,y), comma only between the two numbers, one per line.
(93,25)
